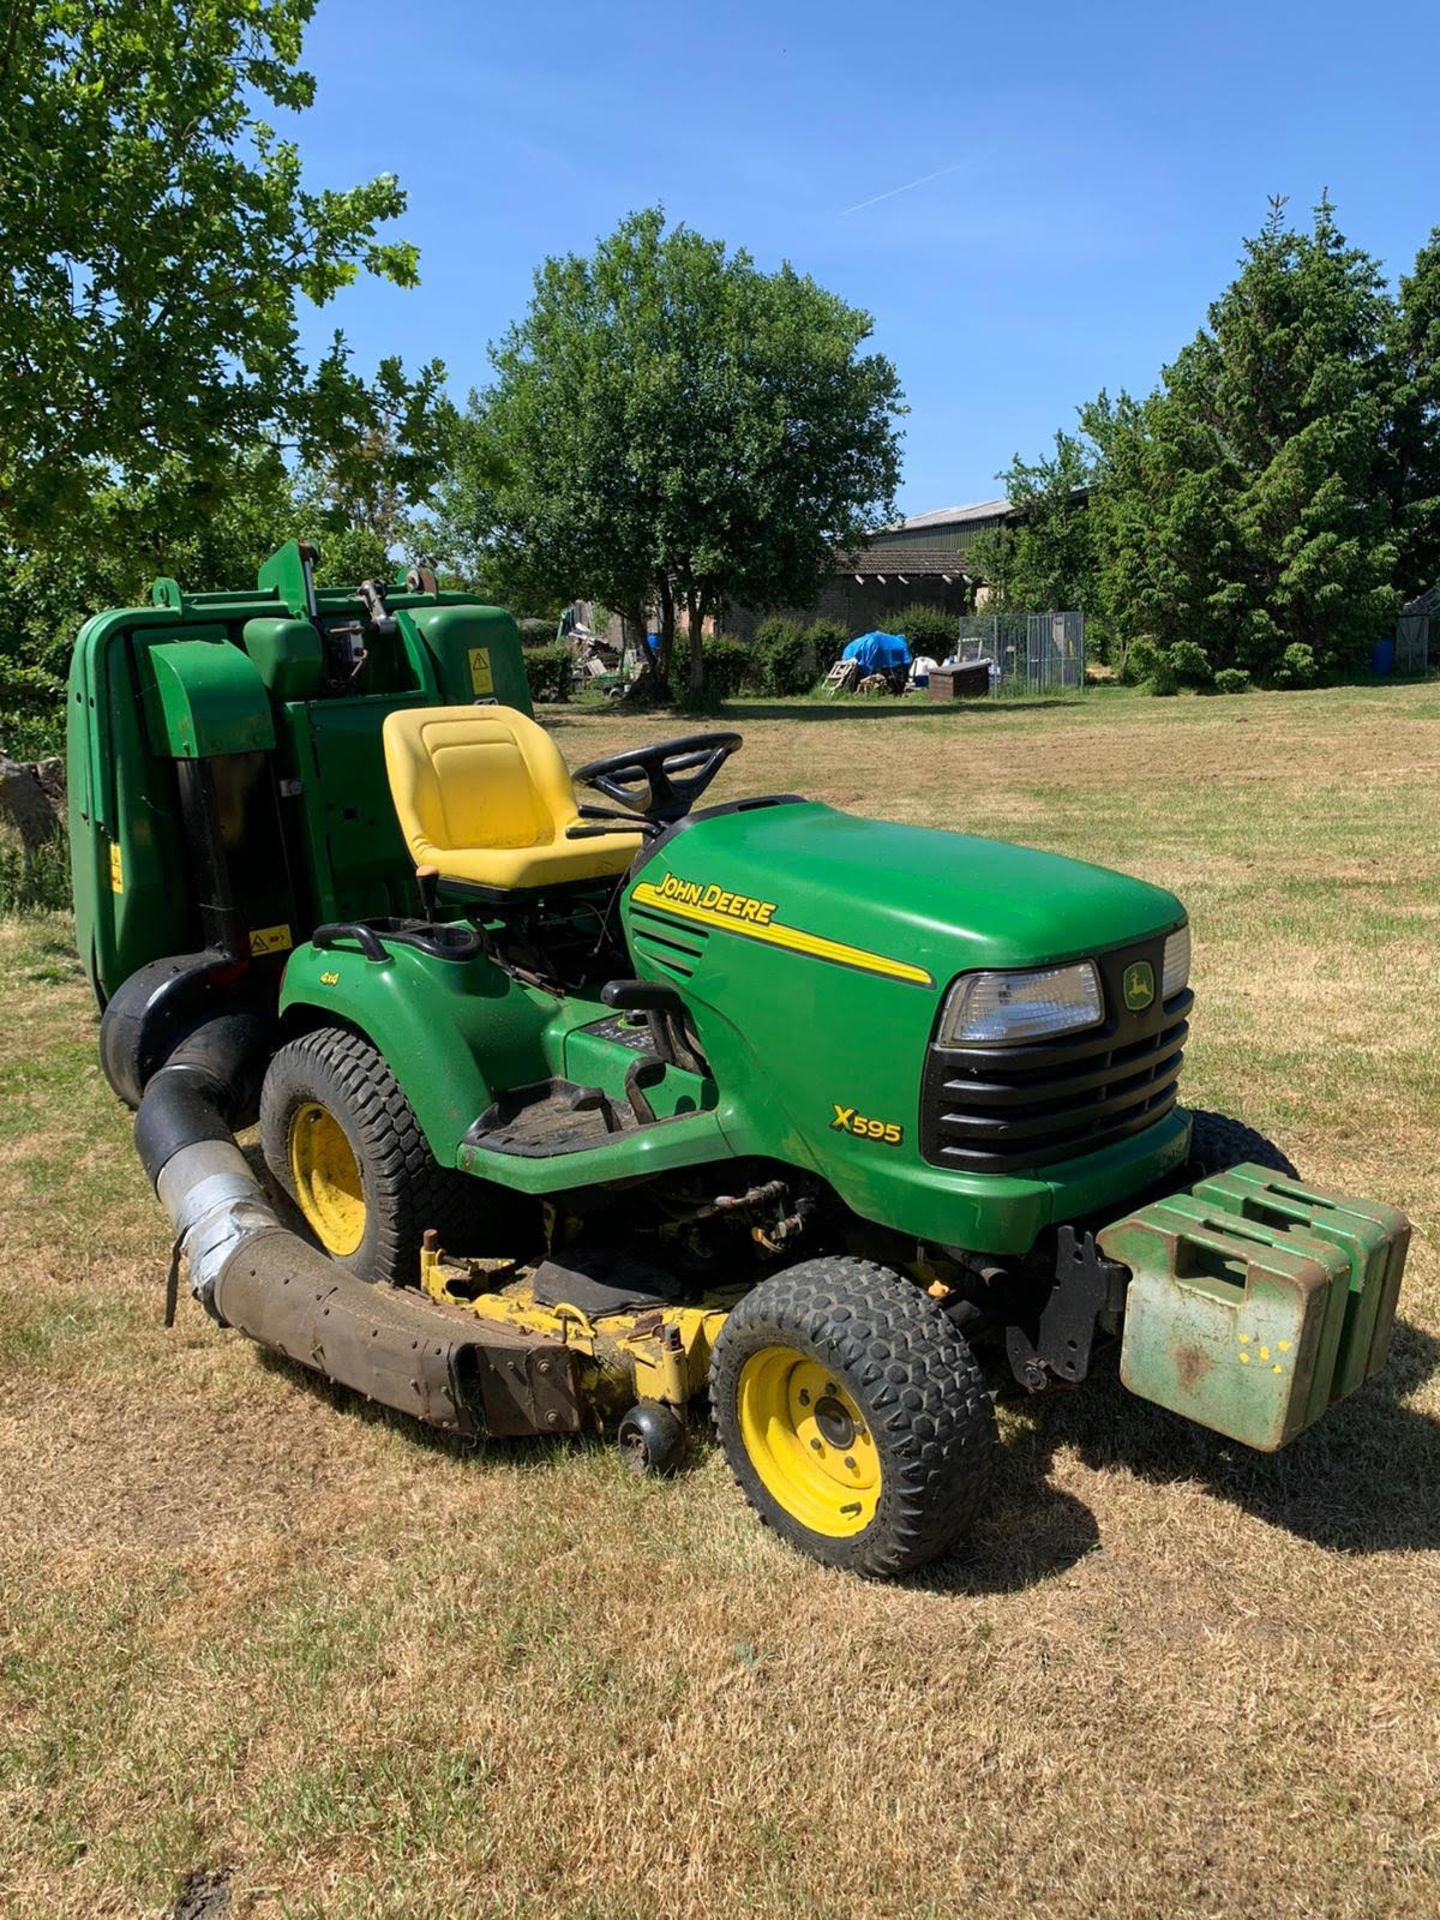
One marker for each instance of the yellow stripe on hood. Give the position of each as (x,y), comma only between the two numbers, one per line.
(791,939)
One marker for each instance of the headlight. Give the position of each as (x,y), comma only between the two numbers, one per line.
(990,1008)
(1176,970)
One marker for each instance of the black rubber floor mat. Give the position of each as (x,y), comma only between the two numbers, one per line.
(560,1120)
(601,1281)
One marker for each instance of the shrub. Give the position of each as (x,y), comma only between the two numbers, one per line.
(550,671)
(788,664)
(1232,680)
(34,736)
(1147,665)
(1298,666)
(929,630)
(728,664)
(34,879)
(536,631)
(774,630)
(828,639)
(1190,664)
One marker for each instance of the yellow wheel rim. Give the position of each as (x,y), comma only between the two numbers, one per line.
(808,1441)
(325,1178)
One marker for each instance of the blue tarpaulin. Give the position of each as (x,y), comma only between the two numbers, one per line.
(877,652)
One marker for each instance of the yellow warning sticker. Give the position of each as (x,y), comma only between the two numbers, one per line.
(117,869)
(270,940)
(482,680)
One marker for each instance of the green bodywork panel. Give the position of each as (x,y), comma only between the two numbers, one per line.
(203,677)
(476,653)
(355,853)
(285,576)
(870,924)
(288,656)
(876,921)
(458,1033)
(211,700)
(1255,1302)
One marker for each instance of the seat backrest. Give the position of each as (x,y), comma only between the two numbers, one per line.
(475,777)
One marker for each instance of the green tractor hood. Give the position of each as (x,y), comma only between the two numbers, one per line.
(814,950)
(937,902)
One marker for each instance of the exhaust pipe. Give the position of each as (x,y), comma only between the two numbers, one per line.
(250,1272)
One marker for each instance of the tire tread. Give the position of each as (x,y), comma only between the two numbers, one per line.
(914,1377)
(406,1188)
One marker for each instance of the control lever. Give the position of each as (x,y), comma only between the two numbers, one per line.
(372,593)
(632,822)
(641,996)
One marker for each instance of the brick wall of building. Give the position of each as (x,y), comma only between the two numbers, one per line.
(861,605)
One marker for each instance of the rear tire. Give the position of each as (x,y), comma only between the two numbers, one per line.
(1218,1143)
(853,1416)
(342,1141)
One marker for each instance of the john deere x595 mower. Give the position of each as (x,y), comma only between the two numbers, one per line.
(580,1113)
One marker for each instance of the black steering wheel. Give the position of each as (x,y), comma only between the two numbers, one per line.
(662,782)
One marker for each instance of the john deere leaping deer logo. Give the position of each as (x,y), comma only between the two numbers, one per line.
(1138,985)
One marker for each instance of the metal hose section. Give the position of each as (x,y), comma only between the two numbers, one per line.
(250,1272)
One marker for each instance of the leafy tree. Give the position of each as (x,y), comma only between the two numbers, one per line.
(1412,448)
(119,540)
(669,425)
(1043,558)
(155,240)
(155,237)
(358,505)
(1243,507)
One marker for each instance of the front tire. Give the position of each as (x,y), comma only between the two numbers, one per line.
(1218,1143)
(342,1141)
(853,1416)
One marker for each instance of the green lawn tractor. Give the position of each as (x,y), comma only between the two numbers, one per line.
(582,1105)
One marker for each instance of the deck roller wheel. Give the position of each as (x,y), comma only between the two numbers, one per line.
(651,1439)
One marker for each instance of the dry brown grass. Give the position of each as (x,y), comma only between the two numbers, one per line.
(249,1624)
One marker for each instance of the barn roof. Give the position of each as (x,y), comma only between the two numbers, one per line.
(902,562)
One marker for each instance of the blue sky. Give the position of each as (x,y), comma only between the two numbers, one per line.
(1104,163)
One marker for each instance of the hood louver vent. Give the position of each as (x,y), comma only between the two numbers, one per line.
(674,948)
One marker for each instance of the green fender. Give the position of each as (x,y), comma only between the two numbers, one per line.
(450,1031)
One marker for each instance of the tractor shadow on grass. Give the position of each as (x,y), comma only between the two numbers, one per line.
(519,1451)
(737,712)
(1360,1481)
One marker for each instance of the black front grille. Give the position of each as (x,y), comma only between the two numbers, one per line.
(1007,1109)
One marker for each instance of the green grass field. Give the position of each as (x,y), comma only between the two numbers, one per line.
(252,1627)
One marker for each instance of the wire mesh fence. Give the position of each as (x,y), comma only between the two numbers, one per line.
(1028,652)
(1413,631)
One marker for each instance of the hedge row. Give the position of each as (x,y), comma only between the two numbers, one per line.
(786,659)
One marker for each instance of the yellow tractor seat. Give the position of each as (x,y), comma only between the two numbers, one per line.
(484,797)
